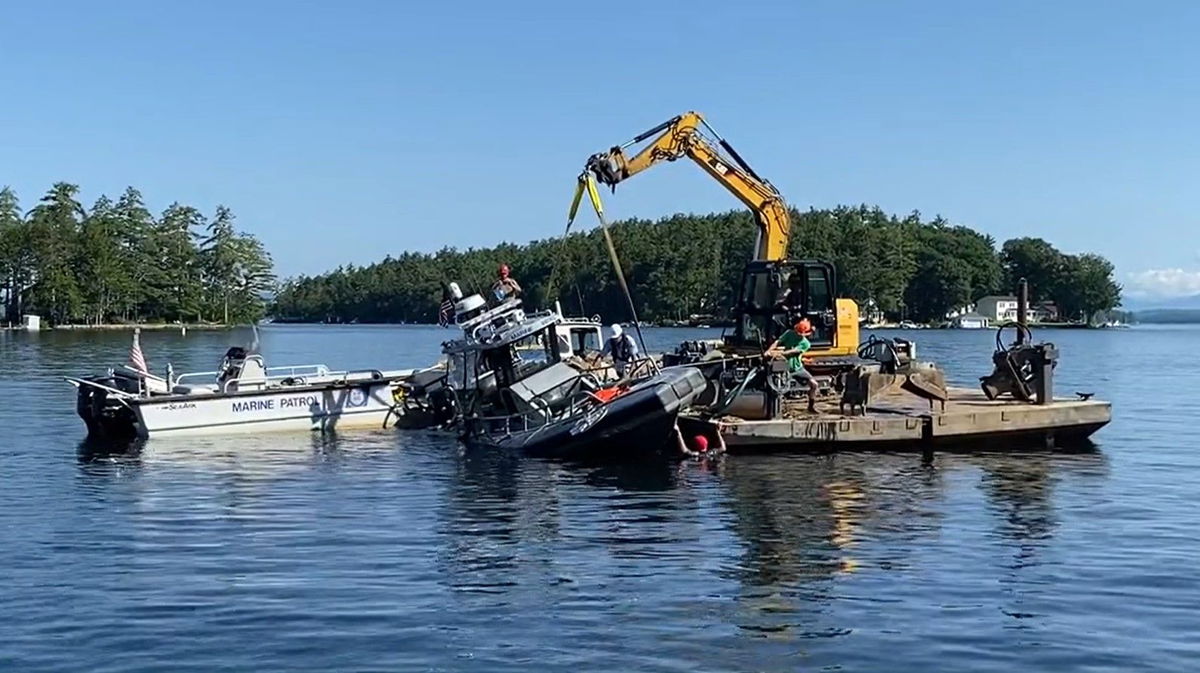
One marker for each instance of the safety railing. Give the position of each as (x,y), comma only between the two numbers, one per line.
(298,375)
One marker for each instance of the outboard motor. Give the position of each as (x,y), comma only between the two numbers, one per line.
(444,406)
(105,417)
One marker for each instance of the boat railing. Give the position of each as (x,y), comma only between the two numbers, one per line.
(580,399)
(299,370)
(532,419)
(541,415)
(300,373)
(195,375)
(642,368)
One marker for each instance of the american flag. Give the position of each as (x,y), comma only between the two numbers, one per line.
(137,361)
(445,312)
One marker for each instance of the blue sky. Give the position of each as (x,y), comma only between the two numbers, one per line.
(341,132)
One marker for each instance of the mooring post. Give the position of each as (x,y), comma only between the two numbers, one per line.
(1022,308)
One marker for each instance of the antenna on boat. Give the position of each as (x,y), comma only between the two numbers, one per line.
(254,344)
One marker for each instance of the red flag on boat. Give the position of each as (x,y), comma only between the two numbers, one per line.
(137,361)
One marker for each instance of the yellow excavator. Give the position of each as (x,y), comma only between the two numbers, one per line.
(774,291)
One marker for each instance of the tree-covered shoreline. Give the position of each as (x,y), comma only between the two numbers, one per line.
(687,263)
(115,262)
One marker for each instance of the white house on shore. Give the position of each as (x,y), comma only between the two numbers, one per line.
(1003,308)
(969,321)
(997,308)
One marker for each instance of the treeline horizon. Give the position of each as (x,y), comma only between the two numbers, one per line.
(684,264)
(115,262)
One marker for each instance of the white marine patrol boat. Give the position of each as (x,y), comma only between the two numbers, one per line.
(243,395)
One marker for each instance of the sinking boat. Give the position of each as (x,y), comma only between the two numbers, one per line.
(242,395)
(514,388)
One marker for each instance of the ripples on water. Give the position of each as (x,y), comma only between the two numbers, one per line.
(392,551)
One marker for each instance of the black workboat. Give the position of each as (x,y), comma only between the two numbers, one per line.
(514,390)
(635,421)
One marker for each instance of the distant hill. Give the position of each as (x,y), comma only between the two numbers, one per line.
(1139,304)
(1165,309)
(1168,315)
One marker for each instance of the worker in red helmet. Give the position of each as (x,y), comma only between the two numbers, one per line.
(505,286)
(791,346)
(699,446)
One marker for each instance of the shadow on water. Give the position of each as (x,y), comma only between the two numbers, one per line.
(1020,486)
(650,475)
(93,450)
(804,521)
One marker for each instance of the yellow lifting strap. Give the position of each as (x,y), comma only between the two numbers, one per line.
(588,184)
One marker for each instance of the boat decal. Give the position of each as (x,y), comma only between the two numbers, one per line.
(301,402)
(174,406)
(358,397)
(254,405)
(589,419)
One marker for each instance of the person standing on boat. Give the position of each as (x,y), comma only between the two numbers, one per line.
(506,287)
(622,348)
(792,345)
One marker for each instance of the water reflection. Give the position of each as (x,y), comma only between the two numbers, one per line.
(494,501)
(797,516)
(806,521)
(783,537)
(230,462)
(1020,487)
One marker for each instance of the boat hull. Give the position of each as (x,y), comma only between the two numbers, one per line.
(637,423)
(323,408)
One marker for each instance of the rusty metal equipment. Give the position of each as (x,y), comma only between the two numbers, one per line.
(1023,369)
(890,365)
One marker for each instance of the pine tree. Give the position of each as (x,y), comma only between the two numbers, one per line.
(54,233)
(179,291)
(17,262)
(220,259)
(237,271)
(100,268)
(139,297)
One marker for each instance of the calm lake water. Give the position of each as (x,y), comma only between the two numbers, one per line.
(386,551)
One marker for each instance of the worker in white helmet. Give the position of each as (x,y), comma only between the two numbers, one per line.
(622,348)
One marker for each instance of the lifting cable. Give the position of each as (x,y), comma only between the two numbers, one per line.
(586,183)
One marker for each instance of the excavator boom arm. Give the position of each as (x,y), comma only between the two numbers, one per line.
(683,137)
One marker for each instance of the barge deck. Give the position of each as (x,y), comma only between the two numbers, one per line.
(899,421)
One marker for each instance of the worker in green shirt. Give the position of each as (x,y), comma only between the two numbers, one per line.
(792,345)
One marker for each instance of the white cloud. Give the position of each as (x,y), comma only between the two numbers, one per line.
(1163,283)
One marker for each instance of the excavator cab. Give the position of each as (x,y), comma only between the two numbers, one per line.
(774,295)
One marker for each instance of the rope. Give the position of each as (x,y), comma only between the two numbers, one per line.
(585,181)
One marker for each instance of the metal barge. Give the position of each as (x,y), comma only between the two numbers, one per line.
(898,421)
(887,399)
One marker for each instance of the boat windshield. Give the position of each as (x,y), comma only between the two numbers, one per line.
(524,358)
(533,354)
(585,339)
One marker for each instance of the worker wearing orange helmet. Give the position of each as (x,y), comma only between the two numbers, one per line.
(505,286)
(792,345)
